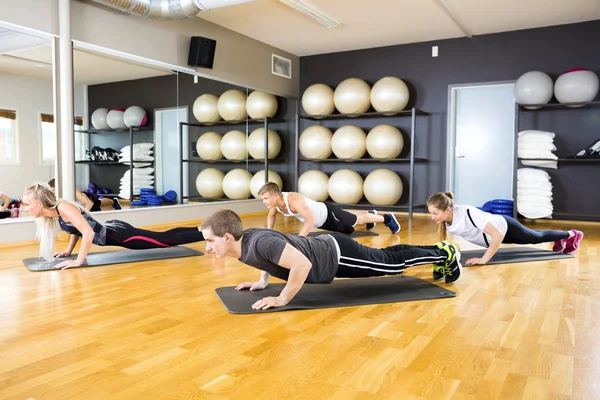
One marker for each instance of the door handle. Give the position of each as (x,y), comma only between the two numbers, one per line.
(459,157)
(457,152)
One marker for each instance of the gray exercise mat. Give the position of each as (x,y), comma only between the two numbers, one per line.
(114,257)
(507,255)
(339,293)
(355,234)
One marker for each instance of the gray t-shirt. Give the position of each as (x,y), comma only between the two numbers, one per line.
(262,249)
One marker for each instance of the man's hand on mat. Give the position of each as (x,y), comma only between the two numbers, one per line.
(268,302)
(68,264)
(62,254)
(475,261)
(252,285)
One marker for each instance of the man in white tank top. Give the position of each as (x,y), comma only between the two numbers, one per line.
(325,216)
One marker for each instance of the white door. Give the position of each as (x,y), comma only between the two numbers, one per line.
(481,143)
(167,159)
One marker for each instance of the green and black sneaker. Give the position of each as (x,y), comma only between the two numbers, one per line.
(452,268)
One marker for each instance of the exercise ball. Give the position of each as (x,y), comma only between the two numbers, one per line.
(383,187)
(99,119)
(349,142)
(345,186)
(389,95)
(114,118)
(384,141)
(205,108)
(313,184)
(576,86)
(208,146)
(315,142)
(317,100)
(258,180)
(135,116)
(261,105)
(209,183)
(533,87)
(236,184)
(232,105)
(352,96)
(233,145)
(256,144)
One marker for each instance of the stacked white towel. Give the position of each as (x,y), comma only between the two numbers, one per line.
(142,178)
(534,193)
(141,152)
(537,144)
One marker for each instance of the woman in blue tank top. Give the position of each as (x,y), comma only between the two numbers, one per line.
(40,202)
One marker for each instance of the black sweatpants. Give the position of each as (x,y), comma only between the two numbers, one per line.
(119,233)
(519,234)
(359,261)
(338,219)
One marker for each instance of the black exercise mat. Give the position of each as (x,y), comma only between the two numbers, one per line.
(507,255)
(114,257)
(339,293)
(355,234)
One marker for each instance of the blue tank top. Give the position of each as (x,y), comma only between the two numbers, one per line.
(99,229)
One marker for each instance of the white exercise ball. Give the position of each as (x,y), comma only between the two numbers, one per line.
(314,185)
(383,187)
(345,186)
(349,142)
(261,105)
(258,180)
(114,118)
(315,142)
(352,96)
(317,100)
(99,118)
(384,141)
(135,116)
(209,183)
(576,86)
(236,184)
(233,145)
(232,105)
(533,87)
(205,108)
(208,146)
(389,95)
(256,144)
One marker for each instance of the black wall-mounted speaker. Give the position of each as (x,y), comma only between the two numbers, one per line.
(202,52)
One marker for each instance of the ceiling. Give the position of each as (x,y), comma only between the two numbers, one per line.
(379,23)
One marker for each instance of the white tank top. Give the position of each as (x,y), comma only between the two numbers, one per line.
(318,209)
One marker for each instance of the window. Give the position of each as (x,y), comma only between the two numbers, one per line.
(9,139)
(49,139)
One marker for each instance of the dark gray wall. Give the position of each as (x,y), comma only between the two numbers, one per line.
(488,58)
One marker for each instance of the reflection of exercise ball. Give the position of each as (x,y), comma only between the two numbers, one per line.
(232,105)
(383,187)
(315,142)
(576,86)
(345,186)
(317,99)
(256,144)
(99,118)
(205,108)
(233,145)
(135,116)
(209,183)
(261,105)
(533,87)
(389,94)
(313,184)
(114,118)
(208,146)
(352,96)
(236,184)
(384,141)
(258,180)
(349,142)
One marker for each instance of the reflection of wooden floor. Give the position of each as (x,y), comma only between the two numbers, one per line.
(156,330)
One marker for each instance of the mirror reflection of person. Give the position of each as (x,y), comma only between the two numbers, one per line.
(9,207)
(89,202)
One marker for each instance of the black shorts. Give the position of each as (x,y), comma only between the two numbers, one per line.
(97,203)
(339,220)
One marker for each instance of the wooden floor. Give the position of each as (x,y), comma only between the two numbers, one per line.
(156,330)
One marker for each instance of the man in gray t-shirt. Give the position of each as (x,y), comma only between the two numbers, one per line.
(299,260)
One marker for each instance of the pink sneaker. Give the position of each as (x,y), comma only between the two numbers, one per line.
(573,242)
(14,213)
(559,245)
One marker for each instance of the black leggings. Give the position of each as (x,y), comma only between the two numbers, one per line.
(358,261)
(338,219)
(519,234)
(119,233)
(4,214)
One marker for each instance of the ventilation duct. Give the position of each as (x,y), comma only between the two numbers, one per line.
(167,9)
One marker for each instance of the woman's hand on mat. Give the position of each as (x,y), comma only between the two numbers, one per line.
(62,254)
(475,261)
(252,285)
(68,264)
(268,302)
